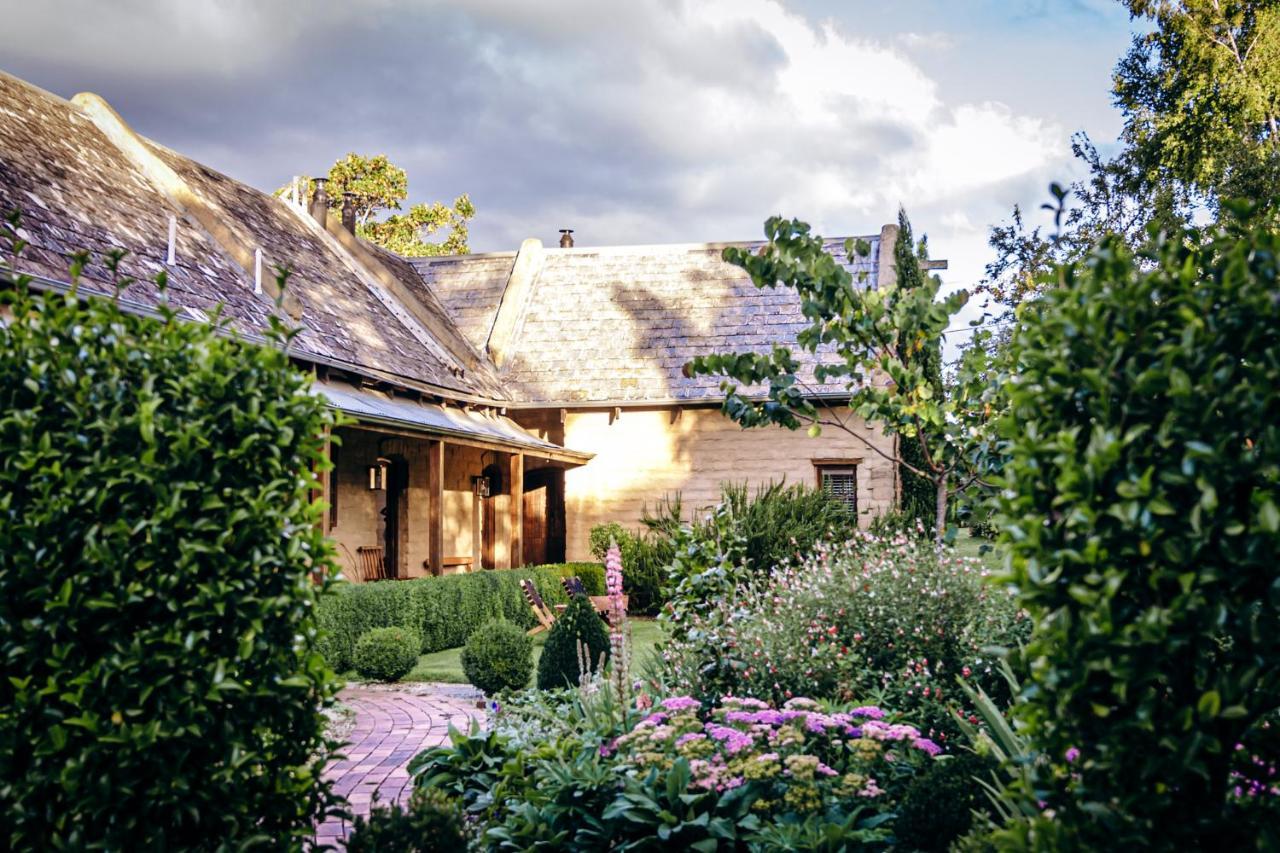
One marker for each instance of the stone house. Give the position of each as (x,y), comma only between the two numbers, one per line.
(497,406)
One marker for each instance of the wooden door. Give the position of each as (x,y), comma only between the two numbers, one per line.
(544,516)
(535,524)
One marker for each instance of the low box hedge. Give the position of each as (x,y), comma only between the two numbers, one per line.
(443,611)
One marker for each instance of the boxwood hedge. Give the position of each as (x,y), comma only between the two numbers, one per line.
(443,611)
(161,684)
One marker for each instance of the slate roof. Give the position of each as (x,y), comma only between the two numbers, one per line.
(617,324)
(76,190)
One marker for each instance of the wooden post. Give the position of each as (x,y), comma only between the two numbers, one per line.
(477,530)
(435,506)
(516,506)
(326,484)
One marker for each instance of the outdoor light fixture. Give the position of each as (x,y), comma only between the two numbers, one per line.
(378,477)
(480,485)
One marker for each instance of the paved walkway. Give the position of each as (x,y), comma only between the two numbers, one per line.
(392,725)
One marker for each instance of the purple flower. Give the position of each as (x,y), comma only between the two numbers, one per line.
(871,712)
(926,745)
(681,703)
(1073,755)
(689,736)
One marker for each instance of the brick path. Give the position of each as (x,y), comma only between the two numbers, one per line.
(392,725)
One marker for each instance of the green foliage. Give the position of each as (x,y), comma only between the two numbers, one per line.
(379,187)
(645,555)
(890,620)
(1141,508)
(432,823)
(859,332)
(938,805)
(498,656)
(161,681)
(385,654)
(442,611)
(569,770)
(577,624)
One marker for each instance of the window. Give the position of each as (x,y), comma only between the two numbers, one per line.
(840,480)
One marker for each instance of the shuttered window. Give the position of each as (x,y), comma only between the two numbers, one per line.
(841,481)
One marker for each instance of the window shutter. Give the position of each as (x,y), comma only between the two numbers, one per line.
(843,484)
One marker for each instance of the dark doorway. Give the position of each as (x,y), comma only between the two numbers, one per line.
(489,518)
(544,516)
(393,512)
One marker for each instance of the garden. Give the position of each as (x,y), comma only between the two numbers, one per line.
(768,675)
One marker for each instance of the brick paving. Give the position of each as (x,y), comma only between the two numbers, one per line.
(392,725)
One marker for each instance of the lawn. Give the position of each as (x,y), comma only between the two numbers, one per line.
(968,546)
(447,665)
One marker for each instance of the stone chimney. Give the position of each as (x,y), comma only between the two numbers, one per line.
(566,238)
(320,202)
(349,211)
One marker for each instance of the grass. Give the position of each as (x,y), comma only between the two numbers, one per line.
(446,665)
(968,546)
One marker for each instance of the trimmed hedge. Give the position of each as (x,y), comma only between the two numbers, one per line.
(443,611)
(579,623)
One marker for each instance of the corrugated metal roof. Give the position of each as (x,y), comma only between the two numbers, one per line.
(377,407)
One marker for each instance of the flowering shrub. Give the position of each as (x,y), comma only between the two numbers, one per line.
(882,617)
(577,771)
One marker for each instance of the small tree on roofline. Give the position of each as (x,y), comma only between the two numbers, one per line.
(871,342)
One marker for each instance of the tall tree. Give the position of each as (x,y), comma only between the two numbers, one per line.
(379,186)
(1200,95)
(871,343)
(918,493)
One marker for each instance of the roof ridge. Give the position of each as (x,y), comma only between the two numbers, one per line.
(629,248)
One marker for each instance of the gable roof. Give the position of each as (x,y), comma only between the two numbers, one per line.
(79,188)
(617,324)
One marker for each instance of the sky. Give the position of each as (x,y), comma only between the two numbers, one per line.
(645,121)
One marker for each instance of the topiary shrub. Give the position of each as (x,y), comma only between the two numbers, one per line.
(431,823)
(386,654)
(558,666)
(938,805)
(1141,512)
(162,688)
(498,656)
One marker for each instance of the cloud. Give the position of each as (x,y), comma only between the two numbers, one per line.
(646,121)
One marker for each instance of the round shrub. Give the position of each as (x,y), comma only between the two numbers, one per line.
(386,654)
(498,656)
(558,666)
(938,805)
(161,683)
(432,823)
(1141,507)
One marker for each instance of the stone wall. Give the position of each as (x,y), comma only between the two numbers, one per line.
(645,454)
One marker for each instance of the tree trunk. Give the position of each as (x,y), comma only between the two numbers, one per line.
(940,523)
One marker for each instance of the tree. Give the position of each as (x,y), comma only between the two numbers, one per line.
(1200,93)
(918,499)
(379,186)
(873,343)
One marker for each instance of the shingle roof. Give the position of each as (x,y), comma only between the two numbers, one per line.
(77,190)
(605,325)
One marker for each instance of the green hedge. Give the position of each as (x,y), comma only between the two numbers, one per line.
(443,611)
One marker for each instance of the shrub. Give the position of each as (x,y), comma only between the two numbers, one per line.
(386,654)
(937,807)
(589,775)
(579,623)
(161,687)
(1141,507)
(442,611)
(645,554)
(431,823)
(889,619)
(498,656)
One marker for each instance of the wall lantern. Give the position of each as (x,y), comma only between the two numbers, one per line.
(480,485)
(378,476)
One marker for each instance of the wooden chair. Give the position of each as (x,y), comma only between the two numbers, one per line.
(372,563)
(573,586)
(539,607)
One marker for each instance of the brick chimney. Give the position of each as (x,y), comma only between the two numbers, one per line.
(566,238)
(320,202)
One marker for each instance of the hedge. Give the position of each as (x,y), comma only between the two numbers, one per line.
(443,611)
